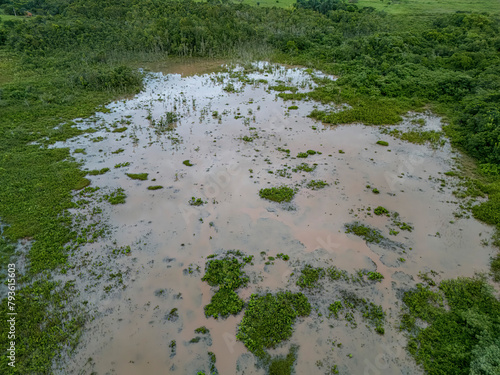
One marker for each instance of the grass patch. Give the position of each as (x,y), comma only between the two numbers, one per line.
(309,277)
(119,130)
(187,163)
(284,365)
(383,143)
(365,232)
(119,151)
(120,165)
(138,176)
(37,301)
(283,88)
(224,302)
(269,320)
(278,194)
(116,197)
(228,275)
(292,107)
(316,184)
(155,187)
(462,338)
(495,268)
(96,172)
(381,211)
(196,201)
(434,138)
(304,167)
(350,303)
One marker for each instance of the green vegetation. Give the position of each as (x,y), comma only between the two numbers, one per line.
(309,277)
(35,301)
(371,313)
(155,187)
(383,143)
(283,88)
(187,163)
(304,167)
(196,201)
(228,275)
(119,130)
(246,138)
(285,257)
(293,107)
(284,365)
(120,165)
(224,302)
(278,194)
(316,184)
(375,276)
(138,176)
(269,319)
(302,155)
(462,338)
(381,211)
(203,330)
(96,172)
(74,56)
(495,268)
(365,232)
(418,136)
(116,197)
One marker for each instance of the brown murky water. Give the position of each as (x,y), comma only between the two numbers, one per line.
(130,333)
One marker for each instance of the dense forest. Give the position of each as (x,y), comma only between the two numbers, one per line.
(71,56)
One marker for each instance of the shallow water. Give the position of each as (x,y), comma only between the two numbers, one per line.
(130,333)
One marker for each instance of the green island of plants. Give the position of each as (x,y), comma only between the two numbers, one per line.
(278,194)
(269,320)
(365,232)
(138,176)
(227,274)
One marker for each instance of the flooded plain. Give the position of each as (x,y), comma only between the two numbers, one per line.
(222,137)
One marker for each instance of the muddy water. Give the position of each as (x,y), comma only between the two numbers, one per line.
(131,331)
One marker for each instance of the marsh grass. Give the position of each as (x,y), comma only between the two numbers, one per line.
(269,320)
(278,194)
(138,176)
(459,338)
(365,232)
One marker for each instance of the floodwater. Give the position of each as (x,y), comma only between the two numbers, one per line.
(130,331)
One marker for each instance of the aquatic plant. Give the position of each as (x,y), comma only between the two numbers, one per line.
(381,211)
(365,232)
(138,176)
(461,338)
(278,194)
(96,172)
(316,184)
(309,276)
(269,319)
(116,197)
